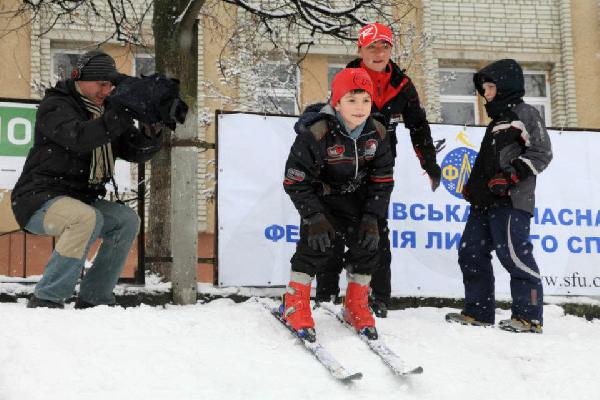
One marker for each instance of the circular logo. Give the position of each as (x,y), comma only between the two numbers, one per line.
(456,169)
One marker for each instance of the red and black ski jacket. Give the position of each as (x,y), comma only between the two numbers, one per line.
(324,160)
(401,103)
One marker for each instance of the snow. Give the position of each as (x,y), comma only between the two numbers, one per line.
(224,350)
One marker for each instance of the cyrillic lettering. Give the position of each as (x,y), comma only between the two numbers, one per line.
(562,219)
(434,236)
(548,217)
(571,246)
(274,232)
(579,217)
(409,239)
(466,214)
(434,215)
(452,213)
(399,211)
(552,246)
(413,213)
(291,233)
(452,240)
(588,244)
(536,216)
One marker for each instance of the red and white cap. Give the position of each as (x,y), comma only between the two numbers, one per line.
(350,79)
(373,32)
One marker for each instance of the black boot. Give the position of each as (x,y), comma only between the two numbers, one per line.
(379,307)
(35,302)
(82,304)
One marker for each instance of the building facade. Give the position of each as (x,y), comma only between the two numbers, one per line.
(556,41)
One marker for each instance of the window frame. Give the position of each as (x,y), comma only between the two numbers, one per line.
(455,98)
(291,93)
(543,101)
(141,55)
(546,101)
(60,50)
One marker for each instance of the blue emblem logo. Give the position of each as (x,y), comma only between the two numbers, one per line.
(456,169)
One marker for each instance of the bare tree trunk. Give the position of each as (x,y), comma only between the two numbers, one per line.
(173,197)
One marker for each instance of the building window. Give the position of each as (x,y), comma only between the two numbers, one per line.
(143,65)
(280,91)
(63,62)
(537,94)
(458,98)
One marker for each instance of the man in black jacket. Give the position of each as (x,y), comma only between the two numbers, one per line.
(501,189)
(60,191)
(395,99)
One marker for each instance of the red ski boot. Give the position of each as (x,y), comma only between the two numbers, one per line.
(296,312)
(356,310)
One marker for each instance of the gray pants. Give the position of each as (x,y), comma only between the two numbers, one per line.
(77,226)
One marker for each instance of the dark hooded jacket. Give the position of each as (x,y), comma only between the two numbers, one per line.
(58,164)
(324,160)
(515,143)
(406,107)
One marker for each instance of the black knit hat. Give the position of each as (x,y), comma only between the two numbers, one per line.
(95,65)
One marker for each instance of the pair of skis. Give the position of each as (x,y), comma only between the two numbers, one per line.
(335,368)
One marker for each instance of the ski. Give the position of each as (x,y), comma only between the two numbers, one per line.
(378,346)
(325,358)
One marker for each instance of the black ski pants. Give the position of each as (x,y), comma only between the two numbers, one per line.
(504,230)
(328,280)
(344,213)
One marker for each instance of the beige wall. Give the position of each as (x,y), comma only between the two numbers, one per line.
(14,81)
(314,79)
(14,53)
(586,52)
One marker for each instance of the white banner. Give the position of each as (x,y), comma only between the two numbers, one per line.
(17,124)
(258,224)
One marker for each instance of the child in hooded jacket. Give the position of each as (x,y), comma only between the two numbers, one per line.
(516,148)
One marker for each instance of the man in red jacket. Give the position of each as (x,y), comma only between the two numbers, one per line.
(396,99)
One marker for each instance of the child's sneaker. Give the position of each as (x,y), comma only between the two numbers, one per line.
(520,325)
(464,319)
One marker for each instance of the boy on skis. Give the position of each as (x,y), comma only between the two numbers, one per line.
(395,99)
(501,190)
(339,175)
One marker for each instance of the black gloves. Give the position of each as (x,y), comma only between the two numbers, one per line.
(502,182)
(426,156)
(368,232)
(522,170)
(435,174)
(117,121)
(320,232)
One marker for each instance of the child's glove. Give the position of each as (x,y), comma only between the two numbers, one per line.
(502,182)
(435,174)
(320,232)
(368,232)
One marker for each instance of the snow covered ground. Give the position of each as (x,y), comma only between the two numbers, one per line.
(224,350)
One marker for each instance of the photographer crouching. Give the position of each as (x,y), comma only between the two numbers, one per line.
(79,134)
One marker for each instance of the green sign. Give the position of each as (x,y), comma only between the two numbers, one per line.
(17,122)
